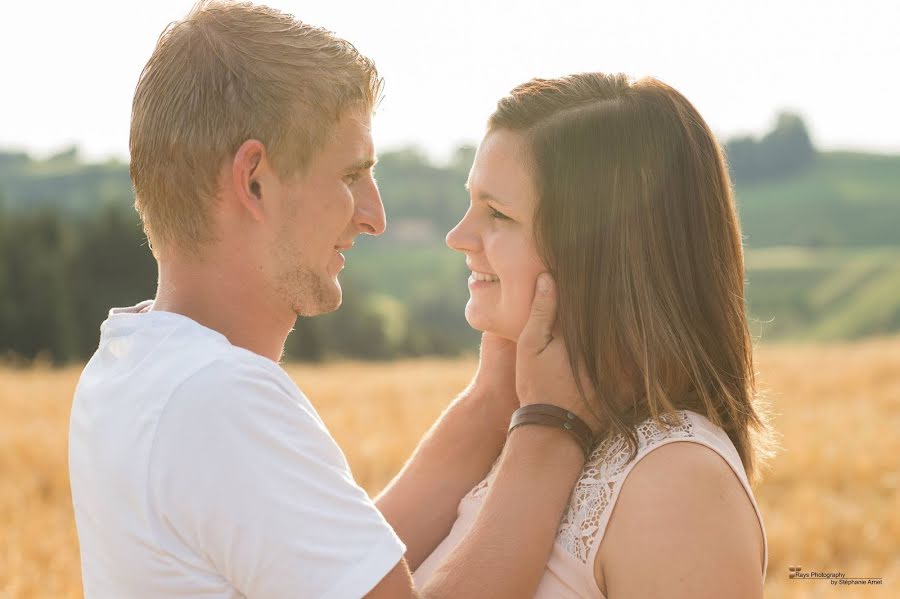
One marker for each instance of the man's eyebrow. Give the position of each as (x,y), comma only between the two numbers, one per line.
(486,197)
(363,164)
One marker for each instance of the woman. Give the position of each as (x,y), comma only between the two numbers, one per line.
(620,190)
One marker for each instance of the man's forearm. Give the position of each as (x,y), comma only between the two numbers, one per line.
(506,551)
(456,453)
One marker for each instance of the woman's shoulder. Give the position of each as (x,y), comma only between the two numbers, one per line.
(613,455)
(672,509)
(681,454)
(596,491)
(614,458)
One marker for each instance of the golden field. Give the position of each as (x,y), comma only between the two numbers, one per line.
(830,499)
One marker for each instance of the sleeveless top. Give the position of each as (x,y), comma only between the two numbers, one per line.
(570,569)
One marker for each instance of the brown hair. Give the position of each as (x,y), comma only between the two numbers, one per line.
(636,221)
(228,72)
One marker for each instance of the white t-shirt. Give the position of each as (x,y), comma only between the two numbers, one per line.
(199,469)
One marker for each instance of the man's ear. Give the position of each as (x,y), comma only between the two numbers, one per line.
(248,168)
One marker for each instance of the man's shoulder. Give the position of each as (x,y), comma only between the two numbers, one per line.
(240,382)
(233,413)
(237,367)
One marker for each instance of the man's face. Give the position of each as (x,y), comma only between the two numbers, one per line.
(321,213)
(496,235)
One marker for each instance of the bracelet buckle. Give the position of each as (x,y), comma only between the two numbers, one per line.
(554,416)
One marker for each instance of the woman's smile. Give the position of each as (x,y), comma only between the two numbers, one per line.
(481,281)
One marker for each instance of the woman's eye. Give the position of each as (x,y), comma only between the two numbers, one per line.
(497,214)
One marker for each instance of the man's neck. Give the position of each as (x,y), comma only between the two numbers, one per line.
(232,303)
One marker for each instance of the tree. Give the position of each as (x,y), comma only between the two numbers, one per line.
(783,151)
(35,314)
(112,267)
(787,147)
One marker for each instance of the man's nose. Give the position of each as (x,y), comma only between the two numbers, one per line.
(369,216)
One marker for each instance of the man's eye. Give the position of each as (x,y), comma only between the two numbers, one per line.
(352,178)
(499,215)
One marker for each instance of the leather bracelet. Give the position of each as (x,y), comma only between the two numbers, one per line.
(550,415)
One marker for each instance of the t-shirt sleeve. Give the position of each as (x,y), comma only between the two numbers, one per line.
(245,475)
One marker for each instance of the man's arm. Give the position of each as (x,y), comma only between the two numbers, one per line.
(422,500)
(456,453)
(506,552)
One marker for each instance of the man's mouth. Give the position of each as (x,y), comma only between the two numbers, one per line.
(339,248)
(340,256)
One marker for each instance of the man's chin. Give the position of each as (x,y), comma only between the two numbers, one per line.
(332,301)
(324,299)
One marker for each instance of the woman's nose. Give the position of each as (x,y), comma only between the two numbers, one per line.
(462,237)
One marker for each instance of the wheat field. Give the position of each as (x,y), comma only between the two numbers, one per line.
(830,499)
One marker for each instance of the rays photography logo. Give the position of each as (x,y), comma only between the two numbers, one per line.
(835,578)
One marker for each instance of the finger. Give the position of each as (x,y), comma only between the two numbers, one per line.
(538,331)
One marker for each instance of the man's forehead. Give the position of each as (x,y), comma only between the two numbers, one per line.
(356,124)
(351,140)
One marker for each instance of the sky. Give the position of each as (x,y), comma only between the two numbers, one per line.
(68,69)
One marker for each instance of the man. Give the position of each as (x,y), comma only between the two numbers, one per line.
(198,468)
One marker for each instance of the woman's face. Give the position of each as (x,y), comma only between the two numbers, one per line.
(496,236)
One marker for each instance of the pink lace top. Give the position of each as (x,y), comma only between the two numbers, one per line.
(570,570)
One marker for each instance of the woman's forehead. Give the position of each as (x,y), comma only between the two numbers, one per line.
(499,172)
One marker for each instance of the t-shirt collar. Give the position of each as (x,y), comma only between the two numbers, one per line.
(140,315)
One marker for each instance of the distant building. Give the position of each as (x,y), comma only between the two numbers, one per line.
(411,230)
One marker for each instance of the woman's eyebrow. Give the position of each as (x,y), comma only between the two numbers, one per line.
(487,197)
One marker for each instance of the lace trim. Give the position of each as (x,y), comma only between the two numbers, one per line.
(601,475)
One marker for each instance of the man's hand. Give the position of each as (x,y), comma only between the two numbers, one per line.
(543,371)
(495,379)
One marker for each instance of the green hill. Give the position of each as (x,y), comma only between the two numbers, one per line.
(823,250)
(823,294)
(62,183)
(842,199)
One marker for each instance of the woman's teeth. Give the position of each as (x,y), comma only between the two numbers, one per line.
(480,276)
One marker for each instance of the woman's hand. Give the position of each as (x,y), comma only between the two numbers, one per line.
(543,371)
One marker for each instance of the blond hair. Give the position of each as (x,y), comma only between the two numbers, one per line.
(637,223)
(225,73)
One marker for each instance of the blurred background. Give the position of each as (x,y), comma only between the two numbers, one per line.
(803,96)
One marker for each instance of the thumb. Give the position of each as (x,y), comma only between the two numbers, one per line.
(538,331)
